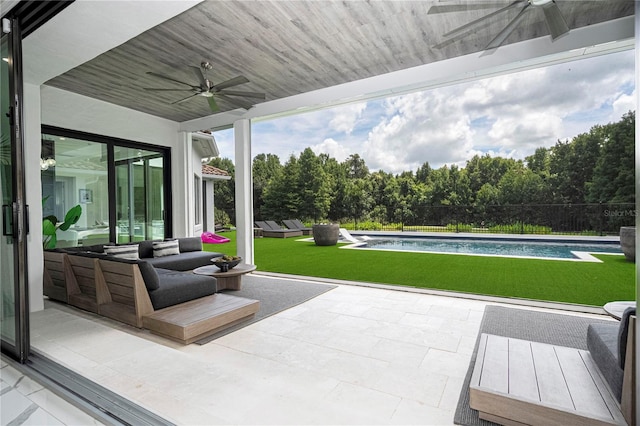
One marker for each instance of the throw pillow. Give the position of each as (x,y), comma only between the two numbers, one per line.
(125,251)
(190,244)
(165,248)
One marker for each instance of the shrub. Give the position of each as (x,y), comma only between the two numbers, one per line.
(518,228)
(461,227)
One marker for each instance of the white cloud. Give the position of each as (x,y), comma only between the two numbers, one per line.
(622,105)
(345,117)
(424,126)
(333,149)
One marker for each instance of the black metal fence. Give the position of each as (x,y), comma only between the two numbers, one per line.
(570,219)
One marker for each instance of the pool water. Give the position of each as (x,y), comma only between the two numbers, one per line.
(509,248)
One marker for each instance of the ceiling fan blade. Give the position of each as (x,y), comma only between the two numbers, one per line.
(151,89)
(231,82)
(201,77)
(184,99)
(212,104)
(236,102)
(479,20)
(555,21)
(168,78)
(511,26)
(446,8)
(245,94)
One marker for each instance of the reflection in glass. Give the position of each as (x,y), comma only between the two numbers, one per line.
(77,175)
(139,194)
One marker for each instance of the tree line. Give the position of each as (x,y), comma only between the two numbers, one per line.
(593,167)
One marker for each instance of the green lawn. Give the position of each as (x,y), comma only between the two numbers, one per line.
(572,282)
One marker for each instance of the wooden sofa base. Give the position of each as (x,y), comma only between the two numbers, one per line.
(199,318)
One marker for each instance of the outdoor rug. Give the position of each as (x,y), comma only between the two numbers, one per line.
(554,329)
(275,295)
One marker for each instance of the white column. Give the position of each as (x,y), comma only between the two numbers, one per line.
(182,186)
(244,189)
(32,145)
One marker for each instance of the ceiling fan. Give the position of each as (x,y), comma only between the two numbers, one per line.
(209,90)
(553,17)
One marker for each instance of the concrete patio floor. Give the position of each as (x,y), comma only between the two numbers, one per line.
(353,355)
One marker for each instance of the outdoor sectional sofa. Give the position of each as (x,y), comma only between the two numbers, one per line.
(173,303)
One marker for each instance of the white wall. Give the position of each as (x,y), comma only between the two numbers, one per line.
(72,111)
(32,136)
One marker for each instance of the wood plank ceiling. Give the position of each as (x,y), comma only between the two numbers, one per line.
(289,47)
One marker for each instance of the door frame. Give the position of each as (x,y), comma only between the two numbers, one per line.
(20,347)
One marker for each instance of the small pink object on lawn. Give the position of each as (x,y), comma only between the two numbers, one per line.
(211,238)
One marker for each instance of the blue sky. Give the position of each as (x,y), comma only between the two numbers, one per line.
(509,115)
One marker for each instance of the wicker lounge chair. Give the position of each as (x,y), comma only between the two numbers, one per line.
(297,225)
(268,230)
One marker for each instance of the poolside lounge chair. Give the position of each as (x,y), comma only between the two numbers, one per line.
(295,224)
(268,230)
(346,235)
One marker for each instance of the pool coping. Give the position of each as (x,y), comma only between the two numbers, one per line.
(509,237)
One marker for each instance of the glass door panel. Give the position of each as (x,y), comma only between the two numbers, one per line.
(139,194)
(7,267)
(14,306)
(74,172)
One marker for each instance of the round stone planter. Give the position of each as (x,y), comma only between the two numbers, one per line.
(628,242)
(326,234)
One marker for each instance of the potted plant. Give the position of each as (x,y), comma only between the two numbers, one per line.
(50,225)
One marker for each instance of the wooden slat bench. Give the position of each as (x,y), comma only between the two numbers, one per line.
(518,382)
(199,318)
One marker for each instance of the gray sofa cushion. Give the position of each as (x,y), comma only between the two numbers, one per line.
(190,244)
(178,287)
(149,274)
(623,332)
(184,261)
(602,342)
(145,248)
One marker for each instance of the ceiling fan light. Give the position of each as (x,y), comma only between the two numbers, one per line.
(540,2)
(206,94)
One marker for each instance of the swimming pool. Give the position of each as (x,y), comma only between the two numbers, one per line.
(539,249)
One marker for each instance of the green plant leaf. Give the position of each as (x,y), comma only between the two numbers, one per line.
(52,218)
(51,242)
(72,217)
(48,227)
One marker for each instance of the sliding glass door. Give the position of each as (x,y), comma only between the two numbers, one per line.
(13,276)
(140,200)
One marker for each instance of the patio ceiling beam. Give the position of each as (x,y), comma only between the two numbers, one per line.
(583,42)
